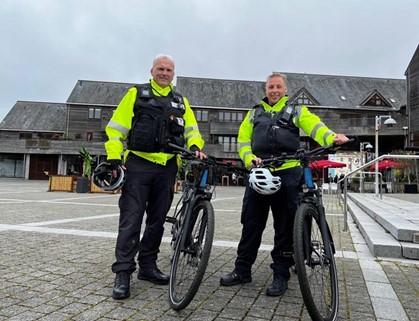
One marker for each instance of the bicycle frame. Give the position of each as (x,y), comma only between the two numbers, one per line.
(192,230)
(197,191)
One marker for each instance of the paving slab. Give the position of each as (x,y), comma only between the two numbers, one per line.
(57,248)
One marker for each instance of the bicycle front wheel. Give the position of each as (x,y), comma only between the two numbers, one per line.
(317,274)
(190,262)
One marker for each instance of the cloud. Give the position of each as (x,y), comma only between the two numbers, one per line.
(48,45)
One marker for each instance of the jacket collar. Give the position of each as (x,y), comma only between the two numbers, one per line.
(160,91)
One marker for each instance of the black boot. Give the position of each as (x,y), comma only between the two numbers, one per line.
(277,287)
(154,275)
(121,286)
(234,278)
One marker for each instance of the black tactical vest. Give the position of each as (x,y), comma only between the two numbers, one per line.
(274,133)
(156,121)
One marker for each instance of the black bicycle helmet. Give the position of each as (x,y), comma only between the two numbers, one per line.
(103,177)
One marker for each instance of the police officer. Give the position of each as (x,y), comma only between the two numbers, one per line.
(269,129)
(148,116)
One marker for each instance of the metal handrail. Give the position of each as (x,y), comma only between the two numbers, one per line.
(345,181)
(360,186)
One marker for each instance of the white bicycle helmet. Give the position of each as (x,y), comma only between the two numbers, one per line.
(104,179)
(263,182)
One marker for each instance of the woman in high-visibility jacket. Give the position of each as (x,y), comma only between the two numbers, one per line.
(270,129)
(148,117)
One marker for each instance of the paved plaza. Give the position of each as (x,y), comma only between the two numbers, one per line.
(57,248)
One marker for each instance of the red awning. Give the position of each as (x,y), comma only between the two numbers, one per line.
(324,163)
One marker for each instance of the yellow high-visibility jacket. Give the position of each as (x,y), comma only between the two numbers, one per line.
(120,124)
(304,119)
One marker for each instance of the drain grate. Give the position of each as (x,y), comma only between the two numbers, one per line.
(415,237)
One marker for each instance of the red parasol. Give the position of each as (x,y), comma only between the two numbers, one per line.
(325,163)
(386,164)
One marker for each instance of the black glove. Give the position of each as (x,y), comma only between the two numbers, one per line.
(194,149)
(114,163)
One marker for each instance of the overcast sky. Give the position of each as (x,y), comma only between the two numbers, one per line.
(47,45)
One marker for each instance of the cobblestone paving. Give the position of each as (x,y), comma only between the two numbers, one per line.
(57,248)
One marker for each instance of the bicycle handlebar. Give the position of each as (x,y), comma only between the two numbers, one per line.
(210,160)
(302,154)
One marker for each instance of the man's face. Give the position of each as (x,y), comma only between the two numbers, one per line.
(275,89)
(163,72)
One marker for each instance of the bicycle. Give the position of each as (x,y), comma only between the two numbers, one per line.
(193,228)
(313,243)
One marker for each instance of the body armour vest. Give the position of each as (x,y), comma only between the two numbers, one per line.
(274,133)
(156,121)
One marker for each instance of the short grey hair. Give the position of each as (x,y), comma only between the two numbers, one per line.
(164,56)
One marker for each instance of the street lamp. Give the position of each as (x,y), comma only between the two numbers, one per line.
(364,146)
(405,128)
(389,122)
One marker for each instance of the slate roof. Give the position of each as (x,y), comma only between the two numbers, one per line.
(325,89)
(98,92)
(36,117)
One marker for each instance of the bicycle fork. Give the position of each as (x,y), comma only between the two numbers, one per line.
(312,246)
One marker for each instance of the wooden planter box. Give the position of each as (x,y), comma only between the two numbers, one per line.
(62,183)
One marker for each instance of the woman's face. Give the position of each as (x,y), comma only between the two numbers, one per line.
(275,89)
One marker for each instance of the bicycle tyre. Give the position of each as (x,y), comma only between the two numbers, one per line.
(189,265)
(317,275)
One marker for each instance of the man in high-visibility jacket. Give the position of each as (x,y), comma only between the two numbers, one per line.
(148,117)
(270,129)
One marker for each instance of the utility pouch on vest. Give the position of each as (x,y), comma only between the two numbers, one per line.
(287,114)
(176,125)
(143,136)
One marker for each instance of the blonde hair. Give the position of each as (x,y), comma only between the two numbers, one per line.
(276,74)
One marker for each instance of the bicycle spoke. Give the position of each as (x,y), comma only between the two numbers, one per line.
(316,273)
(190,262)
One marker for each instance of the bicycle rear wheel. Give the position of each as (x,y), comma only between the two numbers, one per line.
(317,274)
(190,263)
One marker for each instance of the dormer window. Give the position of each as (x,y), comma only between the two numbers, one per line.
(376,99)
(303,99)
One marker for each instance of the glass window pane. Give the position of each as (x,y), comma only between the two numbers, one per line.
(97,113)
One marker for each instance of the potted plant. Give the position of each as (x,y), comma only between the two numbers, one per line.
(83,181)
(408,174)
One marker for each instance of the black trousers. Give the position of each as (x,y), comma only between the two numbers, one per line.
(148,188)
(254,216)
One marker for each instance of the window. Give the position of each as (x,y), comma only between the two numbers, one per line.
(201,115)
(89,136)
(376,100)
(25,135)
(229,143)
(230,117)
(303,99)
(94,113)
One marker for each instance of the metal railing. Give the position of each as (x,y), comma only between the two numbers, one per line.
(357,170)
